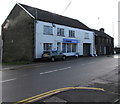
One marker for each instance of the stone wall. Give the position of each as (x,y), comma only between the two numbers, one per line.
(18,36)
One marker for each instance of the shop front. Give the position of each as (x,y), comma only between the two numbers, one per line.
(68,46)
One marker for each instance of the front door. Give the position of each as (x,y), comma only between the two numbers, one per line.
(86,49)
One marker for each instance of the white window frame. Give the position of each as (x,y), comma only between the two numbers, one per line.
(60,32)
(45,46)
(47,30)
(72,33)
(86,36)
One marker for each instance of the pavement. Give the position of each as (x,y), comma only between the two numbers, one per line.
(5,67)
(38,62)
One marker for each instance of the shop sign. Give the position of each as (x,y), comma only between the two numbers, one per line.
(70,41)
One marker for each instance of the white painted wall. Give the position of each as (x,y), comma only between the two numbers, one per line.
(79,35)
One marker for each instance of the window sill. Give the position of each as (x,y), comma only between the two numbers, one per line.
(47,34)
(72,37)
(61,35)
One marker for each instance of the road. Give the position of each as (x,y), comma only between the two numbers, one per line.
(30,81)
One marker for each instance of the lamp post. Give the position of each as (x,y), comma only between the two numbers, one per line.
(118,33)
(113,28)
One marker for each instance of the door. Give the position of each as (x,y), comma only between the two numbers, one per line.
(86,49)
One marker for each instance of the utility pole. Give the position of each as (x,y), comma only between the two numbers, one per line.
(113,28)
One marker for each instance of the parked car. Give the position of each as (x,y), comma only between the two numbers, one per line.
(53,55)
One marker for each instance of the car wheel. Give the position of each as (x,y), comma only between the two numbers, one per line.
(64,57)
(52,59)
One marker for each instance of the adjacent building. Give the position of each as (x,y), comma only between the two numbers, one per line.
(104,44)
(29,31)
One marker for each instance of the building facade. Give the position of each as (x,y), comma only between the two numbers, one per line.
(67,39)
(104,44)
(29,31)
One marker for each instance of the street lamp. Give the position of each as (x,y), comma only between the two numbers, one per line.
(113,27)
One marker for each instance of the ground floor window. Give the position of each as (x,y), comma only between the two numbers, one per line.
(47,46)
(58,46)
(69,47)
(74,47)
(64,47)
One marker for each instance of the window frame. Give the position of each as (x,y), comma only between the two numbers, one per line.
(72,33)
(47,48)
(86,36)
(60,31)
(49,31)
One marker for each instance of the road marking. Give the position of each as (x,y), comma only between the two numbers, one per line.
(55,70)
(43,94)
(8,80)
(60,90)
(46,94)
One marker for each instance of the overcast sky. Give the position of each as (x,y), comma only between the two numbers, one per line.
(94,13)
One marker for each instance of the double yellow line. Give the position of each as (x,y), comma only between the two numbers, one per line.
(46,94)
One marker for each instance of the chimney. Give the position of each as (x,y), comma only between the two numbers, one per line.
(102,29)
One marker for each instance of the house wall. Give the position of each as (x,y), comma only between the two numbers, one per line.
(18,36)
(41,38)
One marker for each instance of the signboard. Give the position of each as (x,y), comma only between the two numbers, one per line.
(70,41)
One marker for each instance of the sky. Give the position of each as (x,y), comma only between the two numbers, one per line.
(95,14)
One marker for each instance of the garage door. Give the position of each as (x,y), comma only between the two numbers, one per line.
(86,49)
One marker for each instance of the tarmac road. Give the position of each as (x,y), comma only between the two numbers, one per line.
(42,77)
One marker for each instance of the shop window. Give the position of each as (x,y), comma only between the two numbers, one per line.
(60,31)
(74,47)
(58,46)
(71,33)
(68,47)
(48,30)
(47,46)
(64,47)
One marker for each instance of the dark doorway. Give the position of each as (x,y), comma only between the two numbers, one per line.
(86,49)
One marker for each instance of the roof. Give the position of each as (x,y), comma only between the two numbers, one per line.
(100,33)
(46,16)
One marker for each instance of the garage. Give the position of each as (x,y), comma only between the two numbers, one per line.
(86,49)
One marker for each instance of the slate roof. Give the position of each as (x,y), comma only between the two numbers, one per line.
(54,18)
(46,16)
(101,34)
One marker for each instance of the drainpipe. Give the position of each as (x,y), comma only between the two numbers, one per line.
(35,21)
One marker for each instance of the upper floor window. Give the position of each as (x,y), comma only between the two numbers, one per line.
(60,31)
(48,30)
(71,33)
(86,36)
(107,41)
